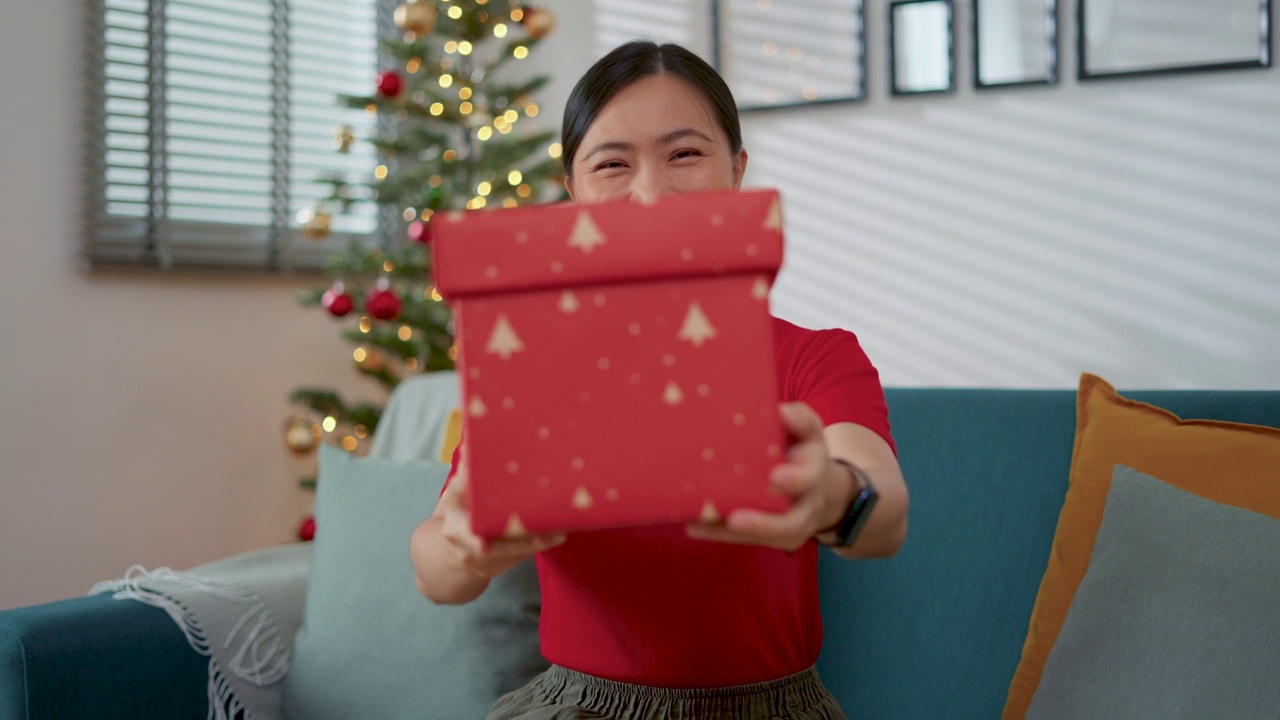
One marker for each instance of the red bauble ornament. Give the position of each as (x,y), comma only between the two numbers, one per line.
(307,530)
(337,301)
(390,83)
(420,231)
(382,303)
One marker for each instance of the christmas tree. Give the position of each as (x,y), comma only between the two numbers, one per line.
(449,113)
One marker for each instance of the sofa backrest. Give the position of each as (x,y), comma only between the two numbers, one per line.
(937,631)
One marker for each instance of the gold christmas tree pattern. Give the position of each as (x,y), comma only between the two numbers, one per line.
(515,528)
(760,289)
(569,303)
(586,235)
(672,395)
(582,499)
(504,342)
(774,220)
(476,408)
(697,328)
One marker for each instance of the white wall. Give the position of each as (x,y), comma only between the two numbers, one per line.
(140,416)
(1018,237)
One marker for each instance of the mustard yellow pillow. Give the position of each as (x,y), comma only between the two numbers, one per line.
(1230,463)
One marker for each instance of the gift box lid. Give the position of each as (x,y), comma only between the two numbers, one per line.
(569,245)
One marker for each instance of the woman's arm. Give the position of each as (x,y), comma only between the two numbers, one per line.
(451,564)
(821,490)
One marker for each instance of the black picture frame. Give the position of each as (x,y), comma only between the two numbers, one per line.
(1053,48)
(1083,73)
(858,9)
(894,89)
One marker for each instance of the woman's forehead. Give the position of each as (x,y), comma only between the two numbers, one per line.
(651,108)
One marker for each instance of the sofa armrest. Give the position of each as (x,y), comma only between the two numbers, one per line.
(95,657)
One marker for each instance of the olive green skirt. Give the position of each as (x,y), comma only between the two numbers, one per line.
(563,694)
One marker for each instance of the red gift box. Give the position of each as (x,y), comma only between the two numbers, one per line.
(616,360)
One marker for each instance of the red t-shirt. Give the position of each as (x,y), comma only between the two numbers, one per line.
(651,606)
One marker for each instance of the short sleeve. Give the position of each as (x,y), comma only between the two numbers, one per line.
(828,370)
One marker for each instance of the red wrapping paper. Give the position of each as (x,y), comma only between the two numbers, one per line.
(616,360)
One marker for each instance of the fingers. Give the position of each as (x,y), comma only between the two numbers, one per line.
(800,420)
(784,531)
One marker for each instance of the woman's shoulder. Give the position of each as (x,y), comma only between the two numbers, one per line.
(789,336)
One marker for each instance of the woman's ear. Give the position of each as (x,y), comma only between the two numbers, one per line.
(739,168)
(568,186)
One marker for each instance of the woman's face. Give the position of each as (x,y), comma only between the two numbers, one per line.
(657,136)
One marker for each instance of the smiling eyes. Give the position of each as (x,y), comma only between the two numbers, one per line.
(682,154)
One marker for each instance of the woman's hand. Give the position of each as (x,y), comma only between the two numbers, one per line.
(819,492)
(486,558)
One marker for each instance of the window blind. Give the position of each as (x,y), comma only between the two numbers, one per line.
(210,128)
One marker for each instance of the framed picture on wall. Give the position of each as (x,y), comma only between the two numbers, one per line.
(782,53)
(921,47)
(1015,42)
(1124,38)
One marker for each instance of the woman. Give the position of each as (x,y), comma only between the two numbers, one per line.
(705,621)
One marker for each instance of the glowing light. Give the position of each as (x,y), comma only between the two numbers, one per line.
(770,48)
(361,431)
(349,443)
(555,150)
(371,108)
(451,46)
(517,15)
(509,203)
(484,188)
(329,423)
(365,324)
(411,364)
(465,108)
(435,294)
(524,191)
(455,12)
(405,333)
(450,155)
(464,48)
(484,133)
(380,172)
(435,181)
(413,65)
(388,266)
(531,110)
(464,93)
(511,116)
(500,30)
(515,177)
(810,93)
(437,108)
(521,52)
(506,128)
(453,352)
(446,80)
(360,354)
(410,214)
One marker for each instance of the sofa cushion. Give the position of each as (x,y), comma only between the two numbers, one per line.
(370,646)
(1224,462)
(1178,615)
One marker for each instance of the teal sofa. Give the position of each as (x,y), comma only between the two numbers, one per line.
(935,632)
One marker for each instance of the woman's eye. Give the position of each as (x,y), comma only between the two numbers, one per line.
(686,153)
(610,165)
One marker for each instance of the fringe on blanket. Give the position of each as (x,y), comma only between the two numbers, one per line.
(260,659)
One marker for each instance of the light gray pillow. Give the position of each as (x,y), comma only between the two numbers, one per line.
(1178,615)
(370,646)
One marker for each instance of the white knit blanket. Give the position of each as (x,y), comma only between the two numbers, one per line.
(225,622)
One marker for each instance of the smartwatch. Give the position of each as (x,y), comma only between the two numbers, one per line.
(855,516)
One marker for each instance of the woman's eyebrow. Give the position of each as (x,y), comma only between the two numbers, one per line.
(680,134)
(612,145)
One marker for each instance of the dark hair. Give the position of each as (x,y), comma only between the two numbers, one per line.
(634,61)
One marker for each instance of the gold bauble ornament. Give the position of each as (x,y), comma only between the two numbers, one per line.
(537,22)
(300,435)
(343,136)
(418,17)
(373,361)
(316,223)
